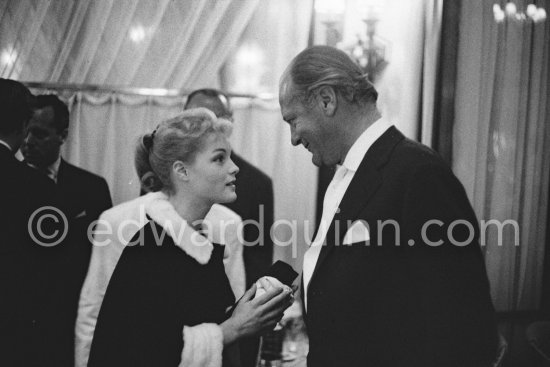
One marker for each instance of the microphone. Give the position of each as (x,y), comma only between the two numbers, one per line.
(282,272)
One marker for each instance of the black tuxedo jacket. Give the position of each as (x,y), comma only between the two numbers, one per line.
(30,275)
(396,300)
(85,192)
(83,197)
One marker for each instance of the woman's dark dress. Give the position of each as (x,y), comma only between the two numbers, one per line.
(155,290)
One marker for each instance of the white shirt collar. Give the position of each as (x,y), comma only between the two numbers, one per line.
(363,143)
(53,169)
(2,142)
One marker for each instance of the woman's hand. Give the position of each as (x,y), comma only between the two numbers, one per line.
(253,316)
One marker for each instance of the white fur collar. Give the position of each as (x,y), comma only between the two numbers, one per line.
(185,237)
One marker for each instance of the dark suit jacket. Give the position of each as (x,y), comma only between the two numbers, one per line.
(30,275)
(386,303)
(83,197)
(254,199)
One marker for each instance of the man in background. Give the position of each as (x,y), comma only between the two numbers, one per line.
(30,271)
(83,196)
(254,204)
(254,193)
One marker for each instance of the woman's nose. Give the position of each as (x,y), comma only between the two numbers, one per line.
(234,169)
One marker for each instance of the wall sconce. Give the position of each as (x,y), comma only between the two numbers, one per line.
(330,15)
(511,13)
(250,68)
(370,52)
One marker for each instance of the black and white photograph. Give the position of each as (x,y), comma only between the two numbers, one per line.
(274,183)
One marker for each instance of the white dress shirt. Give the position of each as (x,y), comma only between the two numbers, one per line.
(335,192)
(52,170)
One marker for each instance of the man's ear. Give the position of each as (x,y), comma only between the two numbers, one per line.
(180,170)
(326,98)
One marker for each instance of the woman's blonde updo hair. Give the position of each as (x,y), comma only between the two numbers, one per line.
(178,138)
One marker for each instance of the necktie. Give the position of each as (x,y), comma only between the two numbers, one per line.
(48,172)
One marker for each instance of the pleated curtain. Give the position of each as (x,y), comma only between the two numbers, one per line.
(501,144)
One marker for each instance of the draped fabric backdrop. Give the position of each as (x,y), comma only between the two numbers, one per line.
(276,33)
(138,43)
(501,143)
(179,44)
(95,142)
(407,85)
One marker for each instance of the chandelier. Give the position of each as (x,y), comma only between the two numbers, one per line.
(511,13)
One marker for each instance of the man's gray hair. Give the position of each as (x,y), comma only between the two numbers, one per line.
(319,66)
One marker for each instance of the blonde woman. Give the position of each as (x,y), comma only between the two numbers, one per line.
(170,277)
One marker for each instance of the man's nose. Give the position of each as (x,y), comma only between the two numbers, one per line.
(294,138)
(28,140)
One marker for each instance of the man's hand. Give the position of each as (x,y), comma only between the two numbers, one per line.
(254,316)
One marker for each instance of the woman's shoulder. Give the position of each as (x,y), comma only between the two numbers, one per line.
(150,237)
(174,245)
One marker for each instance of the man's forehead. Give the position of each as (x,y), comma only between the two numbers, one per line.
(286,92)
(43,116)
(214,104)
(288,99)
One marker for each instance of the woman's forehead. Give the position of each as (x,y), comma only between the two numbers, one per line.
(214,141)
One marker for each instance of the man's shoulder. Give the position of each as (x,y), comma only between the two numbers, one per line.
(28,176)
(126,210)
(413,156)
(25,187)
(413,164)
(81,174)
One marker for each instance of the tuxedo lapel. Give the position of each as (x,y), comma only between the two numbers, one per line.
(366,181)
(6,154)
(66,187)
(62,173)
(302,294)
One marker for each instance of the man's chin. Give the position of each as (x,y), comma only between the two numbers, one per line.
(316,160)
(30,159)
(35,162)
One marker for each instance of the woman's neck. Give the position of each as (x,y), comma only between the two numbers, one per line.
(190,209)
